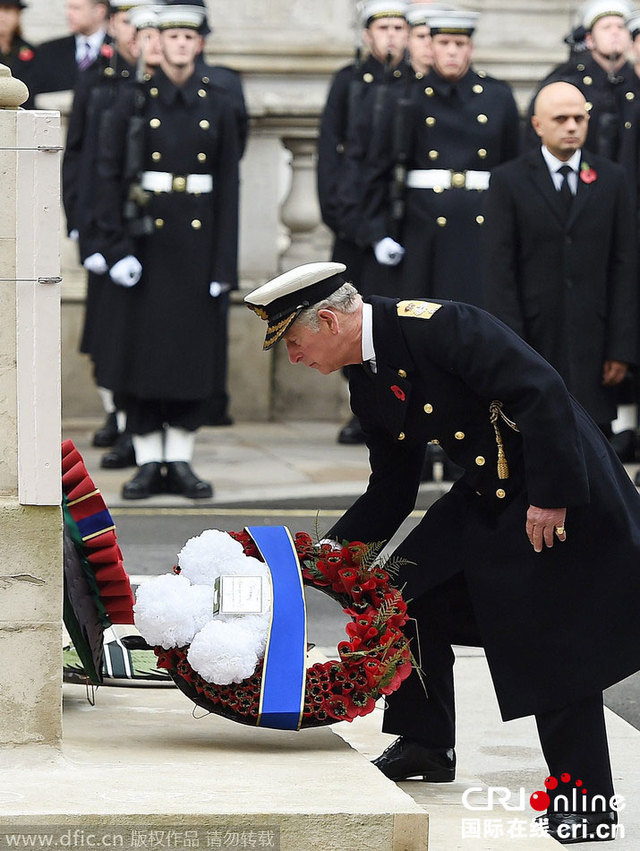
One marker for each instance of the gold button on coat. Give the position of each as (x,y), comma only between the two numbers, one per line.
(441,220)
(202,93)
(153,92)
(401,436)
(480,220)
(159,223)
(482,153)
(206,80)
(430,121)
(155,122)
(477,89)
(480,461)
(204,124)
(482,118)
(402,373)
(368,78)
(156,156)
(459,435)
(196,224)
(630,96)
(435,441)
(428,92)
(587,80)
(202,158)
(500,493)
(428,408)
(433,155)
(397,74)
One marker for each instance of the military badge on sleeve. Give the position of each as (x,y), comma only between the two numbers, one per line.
(417,309)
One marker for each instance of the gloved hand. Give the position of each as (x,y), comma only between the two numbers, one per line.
(388,252)
(127,271)
(96,263)
(74,235)
(216,289)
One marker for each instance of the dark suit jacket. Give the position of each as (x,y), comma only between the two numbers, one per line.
(55,68)
(567,286)
(557,625)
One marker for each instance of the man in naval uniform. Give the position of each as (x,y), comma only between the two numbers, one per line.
(604,76)
(95,93)
(172,153)
(384,69)
(533,554)
(461,125)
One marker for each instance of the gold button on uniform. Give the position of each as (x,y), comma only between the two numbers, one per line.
(588,106)
(125,73)
(419,75)
(428,408)
(204,124)
(430,121)
(196,224)
(480,220)
(109,71)
(482,153)
(480,461)
(435,441)
(459,435)
(401,436)
(433,155)
(179,183)
(156,156)
(627,125)
(368,78)
(477,89)
(580,67)
(206,80)
(482,118)
(587,80)
(441,221)
(153,92)
(438,189)
(202,93)
(630,96)
(397,74)
(202,158)
(155,122)
(500,493)
(402,373)
(428,92)
(159,223)
(458,179)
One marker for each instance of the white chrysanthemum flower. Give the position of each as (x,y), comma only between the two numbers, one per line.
(206,556)
(169,611)
(223,653)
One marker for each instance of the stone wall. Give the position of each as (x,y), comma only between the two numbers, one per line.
(287,51)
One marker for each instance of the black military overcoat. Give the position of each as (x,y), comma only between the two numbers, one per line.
(556,625)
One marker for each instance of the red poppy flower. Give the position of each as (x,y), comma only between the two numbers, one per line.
(25,54)
(398,392)
(587,174)
(107,51)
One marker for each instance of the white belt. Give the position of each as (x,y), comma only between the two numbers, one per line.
(164,181)
(444,178)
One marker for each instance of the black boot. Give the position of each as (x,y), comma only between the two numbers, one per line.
(121,455)
(351,433)
(182,480)
(405,759)
(147,481)
(108,433)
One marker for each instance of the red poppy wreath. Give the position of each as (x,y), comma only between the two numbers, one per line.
(242,665)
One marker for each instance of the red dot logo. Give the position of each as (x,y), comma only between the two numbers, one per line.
(566,777)
(540,801)
(551,782)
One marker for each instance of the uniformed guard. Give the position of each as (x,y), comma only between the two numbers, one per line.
(94,96)
(604,76)
(461,124)
(172,152)
(511,558)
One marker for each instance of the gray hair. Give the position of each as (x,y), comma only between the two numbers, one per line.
(346,299)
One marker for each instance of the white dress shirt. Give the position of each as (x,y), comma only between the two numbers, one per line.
(368,352)
(553,164)
(91,43)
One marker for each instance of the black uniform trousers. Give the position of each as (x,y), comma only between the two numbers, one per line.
(573,739)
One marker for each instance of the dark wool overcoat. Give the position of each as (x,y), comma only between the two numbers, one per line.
(557,625)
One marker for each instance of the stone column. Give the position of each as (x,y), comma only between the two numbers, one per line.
(30,518)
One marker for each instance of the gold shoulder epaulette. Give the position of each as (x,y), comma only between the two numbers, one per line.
(417,309)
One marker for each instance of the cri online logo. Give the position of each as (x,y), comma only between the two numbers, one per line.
(567,796)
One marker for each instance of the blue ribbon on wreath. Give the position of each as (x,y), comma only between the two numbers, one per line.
(284,670)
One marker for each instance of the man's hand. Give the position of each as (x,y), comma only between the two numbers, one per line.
(613,372)
(388,252)
(127,271)
(96,263)
(543,524)
(216,289)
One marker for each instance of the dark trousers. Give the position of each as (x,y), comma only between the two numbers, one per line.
(573,738)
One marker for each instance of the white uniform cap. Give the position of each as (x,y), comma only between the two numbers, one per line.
(371,10)
(144,16)
(418,13)
(452,22)
(596,9)
(281,299)
(633,24)
(181,17)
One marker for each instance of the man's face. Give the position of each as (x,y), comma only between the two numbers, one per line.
(420,49)
(561,119)
(317,349)
(148,46)
(387,35)
(84,17)
(451,55)
(609,37)
(180,46)
(124,35)
(9,20)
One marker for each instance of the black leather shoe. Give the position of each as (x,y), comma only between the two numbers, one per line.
(121,455)
(406,759)
(181,479)
(351,433)
(108,434)
(147,481)
(568,828)
(624,445)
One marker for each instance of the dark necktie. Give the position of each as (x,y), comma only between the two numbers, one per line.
(86,59)
(566,195)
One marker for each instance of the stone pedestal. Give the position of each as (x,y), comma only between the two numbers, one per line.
(30,519)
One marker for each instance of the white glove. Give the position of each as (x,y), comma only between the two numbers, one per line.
(74,235)
(388,252)
(96,263)
(216,289)
(127,271)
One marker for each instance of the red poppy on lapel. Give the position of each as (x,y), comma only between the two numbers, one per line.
(398,392)
(25,54)
(587,174)
(107,51)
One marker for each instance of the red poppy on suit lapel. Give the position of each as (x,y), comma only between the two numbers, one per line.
(398,392)
(25,54)
(587,174)
(107,51)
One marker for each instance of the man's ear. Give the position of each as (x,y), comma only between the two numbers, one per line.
(330,318)
(535,123)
